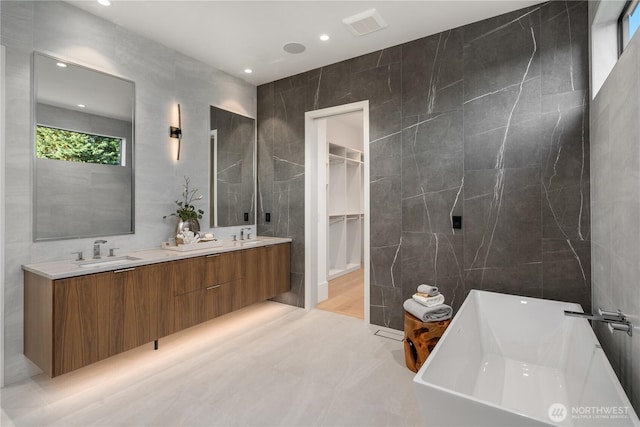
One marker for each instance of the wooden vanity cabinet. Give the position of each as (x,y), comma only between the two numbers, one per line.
(73,322)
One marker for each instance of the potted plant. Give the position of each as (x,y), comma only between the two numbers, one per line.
(187,213)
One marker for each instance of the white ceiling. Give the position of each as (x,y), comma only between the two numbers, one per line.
(234,35)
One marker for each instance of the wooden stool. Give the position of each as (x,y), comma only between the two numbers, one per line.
(419,339)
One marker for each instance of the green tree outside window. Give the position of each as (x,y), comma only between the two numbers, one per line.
(71,146)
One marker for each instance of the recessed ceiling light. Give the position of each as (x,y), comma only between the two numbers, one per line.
(104,2)
(324,37)
(61,64)
(81,105)
(248,70)
(294,48)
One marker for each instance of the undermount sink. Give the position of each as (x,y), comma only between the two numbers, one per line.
(241,243)
(106,261)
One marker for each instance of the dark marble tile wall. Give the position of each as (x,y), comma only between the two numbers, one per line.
(487,121)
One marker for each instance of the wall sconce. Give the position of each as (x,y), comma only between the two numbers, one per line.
(176,132)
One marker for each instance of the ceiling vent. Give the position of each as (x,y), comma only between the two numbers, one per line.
(365,22)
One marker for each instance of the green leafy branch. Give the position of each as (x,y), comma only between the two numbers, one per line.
(186,210)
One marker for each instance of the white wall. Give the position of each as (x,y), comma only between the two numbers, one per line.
(163,78)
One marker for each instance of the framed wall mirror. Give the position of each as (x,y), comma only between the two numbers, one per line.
(84,153)
(232,183)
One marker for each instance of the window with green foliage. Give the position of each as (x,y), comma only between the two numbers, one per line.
(72,146)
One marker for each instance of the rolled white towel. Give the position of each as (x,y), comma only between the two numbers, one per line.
(429,301)
(428,289)
(437,313)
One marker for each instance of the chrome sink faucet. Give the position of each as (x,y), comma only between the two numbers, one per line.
(96,248)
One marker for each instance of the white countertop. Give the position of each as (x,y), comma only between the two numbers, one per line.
(70,268)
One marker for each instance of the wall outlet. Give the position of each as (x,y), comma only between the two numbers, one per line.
(246,216)
(456,222)
(267,217)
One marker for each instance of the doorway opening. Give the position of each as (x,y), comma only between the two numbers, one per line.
(337,210)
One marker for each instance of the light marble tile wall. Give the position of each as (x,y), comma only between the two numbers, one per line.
(163,78)
(615,207)
(487,121)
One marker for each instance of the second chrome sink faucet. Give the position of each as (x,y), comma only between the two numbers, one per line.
(96,248)
(242,233)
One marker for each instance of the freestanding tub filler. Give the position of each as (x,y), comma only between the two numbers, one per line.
(513,361)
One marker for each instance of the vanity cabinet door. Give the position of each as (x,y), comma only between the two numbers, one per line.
(267,273)
(88,318)
(110,294)
(188,275)
(190,309)
(258,275)
(166,290)
(282,268)
(225,302)
(217,300)
(223,273)
(204,304)
(223,268)
(141,303)
(189,306)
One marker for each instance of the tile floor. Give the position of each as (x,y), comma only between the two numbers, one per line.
(268,364)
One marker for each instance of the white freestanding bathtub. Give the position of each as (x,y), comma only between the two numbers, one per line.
(510,361)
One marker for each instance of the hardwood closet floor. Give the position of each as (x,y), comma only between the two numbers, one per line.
(346,295)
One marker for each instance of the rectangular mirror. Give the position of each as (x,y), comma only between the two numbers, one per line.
(232,175)
(84,136)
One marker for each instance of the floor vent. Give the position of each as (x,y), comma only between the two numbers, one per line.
(365,22)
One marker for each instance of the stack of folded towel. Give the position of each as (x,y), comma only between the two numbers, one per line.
(428,305)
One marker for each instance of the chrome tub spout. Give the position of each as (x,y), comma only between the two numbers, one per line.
(615,320)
